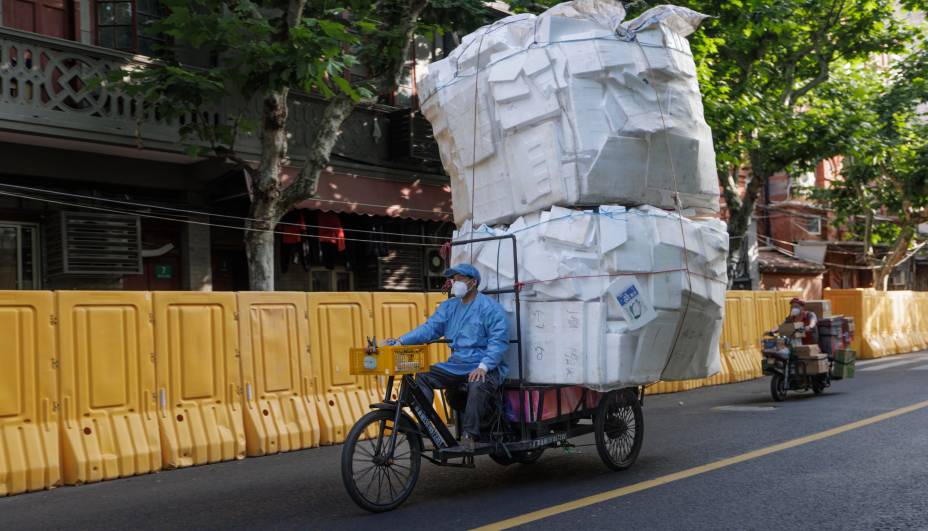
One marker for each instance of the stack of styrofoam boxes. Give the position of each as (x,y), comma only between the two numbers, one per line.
(577,109)
(572,109)
(576,266)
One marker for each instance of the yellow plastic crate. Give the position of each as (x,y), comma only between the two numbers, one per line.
(405,359)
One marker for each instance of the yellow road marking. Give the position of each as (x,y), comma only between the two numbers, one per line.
(690,472)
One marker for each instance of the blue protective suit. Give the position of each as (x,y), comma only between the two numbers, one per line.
(478,331)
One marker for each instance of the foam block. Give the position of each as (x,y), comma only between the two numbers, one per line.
(573,107)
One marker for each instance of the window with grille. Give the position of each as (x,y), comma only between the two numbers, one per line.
(123,25)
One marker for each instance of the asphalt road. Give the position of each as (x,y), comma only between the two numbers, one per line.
(868,477)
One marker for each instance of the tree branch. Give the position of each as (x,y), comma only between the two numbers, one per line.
(823,73)
(398,19)
(319,151)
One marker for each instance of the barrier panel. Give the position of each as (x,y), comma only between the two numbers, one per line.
(887,323)
(337,322)
(109,427)
(396,313)
(199,378)
(279,396)
(783,298)
(850,302)
(901,329)
(29,458)
(751,333)
(875,338)
(920,320)
(734,340)
(437,352)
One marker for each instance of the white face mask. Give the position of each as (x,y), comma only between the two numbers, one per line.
(459,288)
(794,312)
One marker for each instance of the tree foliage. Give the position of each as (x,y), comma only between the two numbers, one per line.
(883,194)
(765,70)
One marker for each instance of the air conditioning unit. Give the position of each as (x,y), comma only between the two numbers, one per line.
(805,179)
(434,269)
(80,243)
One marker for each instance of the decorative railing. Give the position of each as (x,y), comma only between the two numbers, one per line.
(45,88)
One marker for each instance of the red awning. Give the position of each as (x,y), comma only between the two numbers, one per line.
(358,194)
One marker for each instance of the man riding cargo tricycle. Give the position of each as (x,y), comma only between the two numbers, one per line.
(508,419)
(794,359)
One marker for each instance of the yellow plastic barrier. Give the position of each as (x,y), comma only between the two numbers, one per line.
(850,302)
(733,341)
(437,352)
(279,397)
(901,304)
(920,320)
(107,381)
(887,335)
(395,314)
(783,298)
(876,340)
(28,393)
(338,322)
(751,334)
(886,322)
(199,379)
(767,312)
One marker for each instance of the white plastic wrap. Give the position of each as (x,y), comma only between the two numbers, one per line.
(573,107)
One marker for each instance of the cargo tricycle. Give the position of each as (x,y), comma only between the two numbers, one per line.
(384,450)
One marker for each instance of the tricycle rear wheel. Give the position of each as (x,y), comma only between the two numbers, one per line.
(619,429)
(819,384)
(376,480)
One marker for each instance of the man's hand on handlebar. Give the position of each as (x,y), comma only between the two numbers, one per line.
(477,375)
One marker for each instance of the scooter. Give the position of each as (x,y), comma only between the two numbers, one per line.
(788,371)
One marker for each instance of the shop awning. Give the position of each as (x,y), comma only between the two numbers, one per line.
(358,194)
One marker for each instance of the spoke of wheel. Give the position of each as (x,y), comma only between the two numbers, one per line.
(360,473)
(365,451)
(373,447)
(380,476)
(386,474)
(404,467)
(401,480)
(370,484)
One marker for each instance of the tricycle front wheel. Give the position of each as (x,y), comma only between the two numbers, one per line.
(619,429)
(778,387)
(375,477)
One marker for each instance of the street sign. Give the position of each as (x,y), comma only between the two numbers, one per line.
(164,271)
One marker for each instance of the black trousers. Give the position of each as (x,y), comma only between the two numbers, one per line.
(476,401)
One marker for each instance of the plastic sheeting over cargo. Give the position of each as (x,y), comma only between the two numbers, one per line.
(572,107)
(610,297)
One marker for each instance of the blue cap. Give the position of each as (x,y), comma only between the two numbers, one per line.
(464,269)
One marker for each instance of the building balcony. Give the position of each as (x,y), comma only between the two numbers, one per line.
(45,100)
